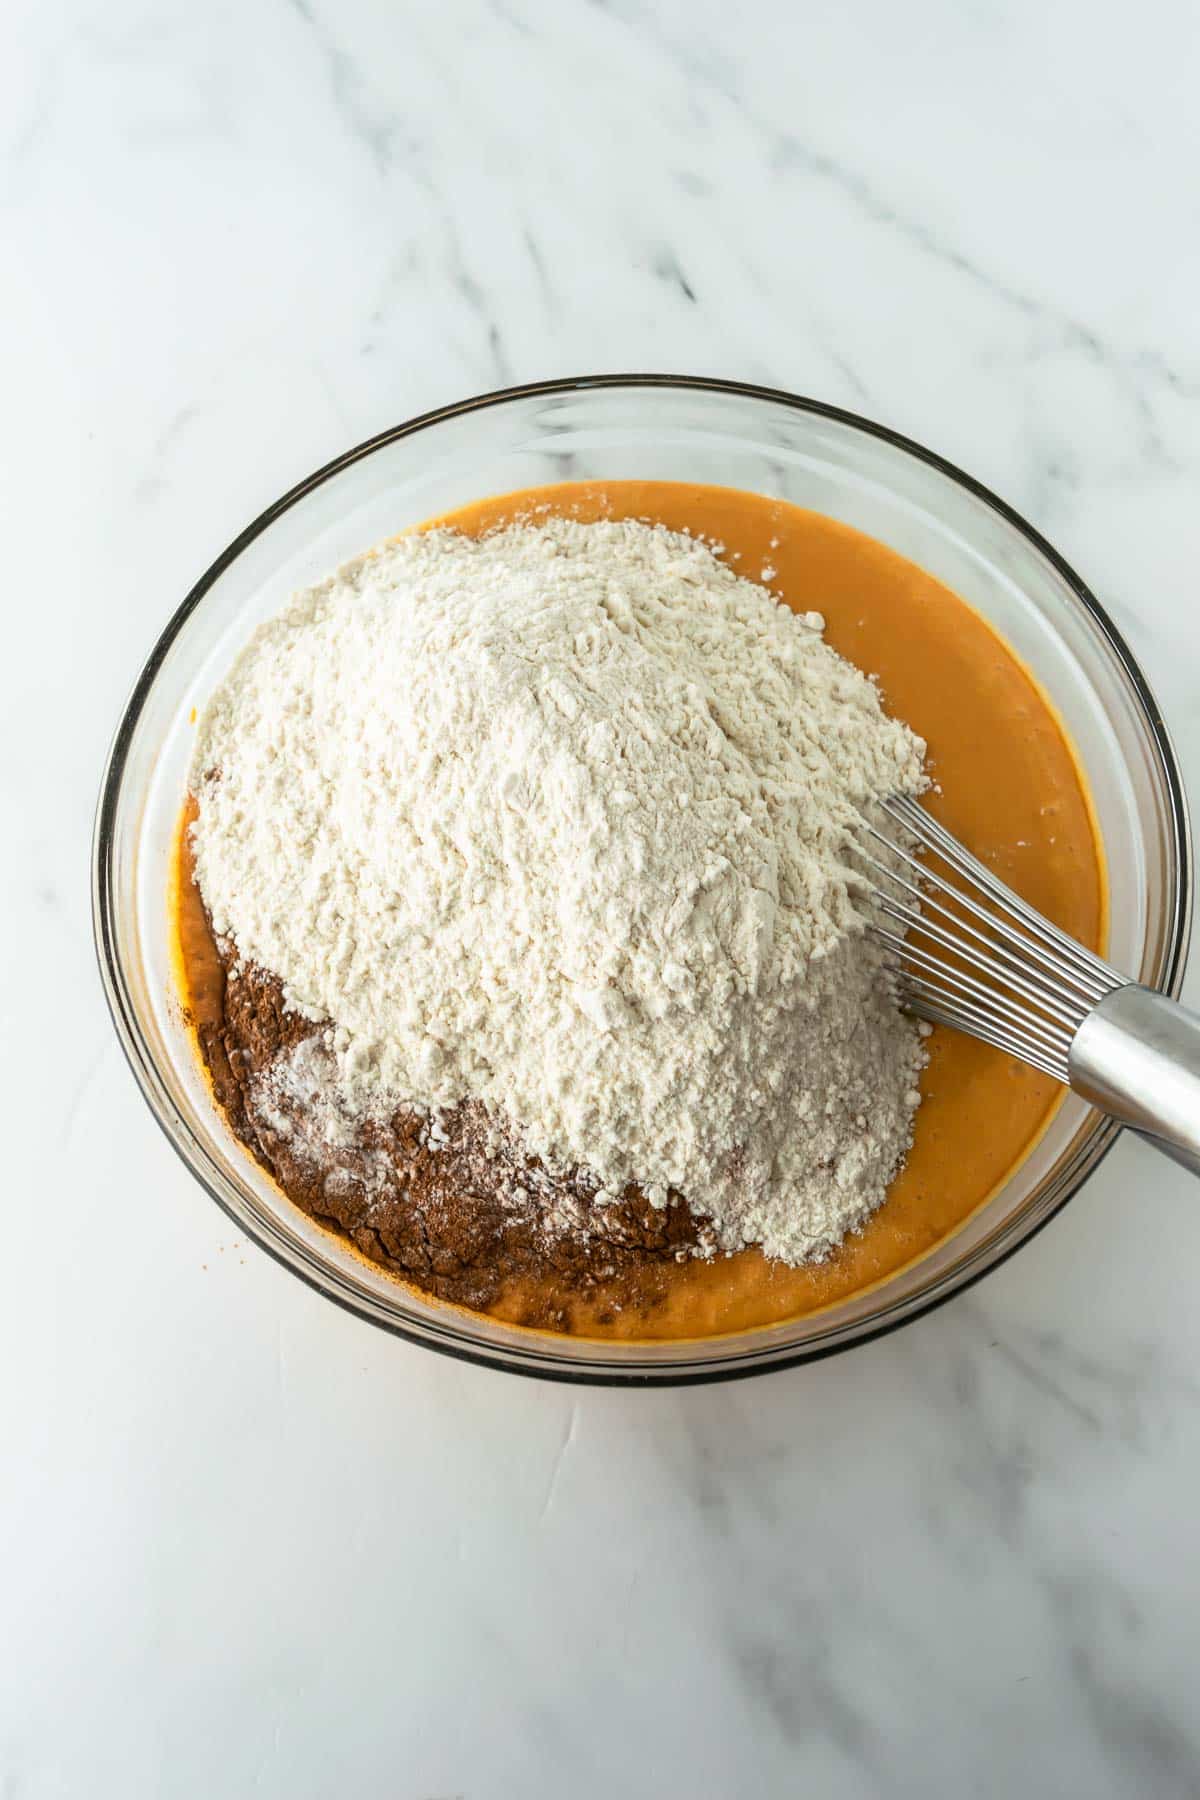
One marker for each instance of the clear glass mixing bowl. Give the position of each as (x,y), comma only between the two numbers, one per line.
(674,428)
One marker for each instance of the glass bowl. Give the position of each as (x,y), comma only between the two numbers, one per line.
(674,428)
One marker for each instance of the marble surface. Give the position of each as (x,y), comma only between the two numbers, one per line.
(250,1545)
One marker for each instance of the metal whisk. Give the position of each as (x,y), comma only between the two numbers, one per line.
(967,951)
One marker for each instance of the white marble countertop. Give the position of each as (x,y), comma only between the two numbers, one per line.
(249,1544)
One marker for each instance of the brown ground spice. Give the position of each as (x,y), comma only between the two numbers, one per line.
(433,1213)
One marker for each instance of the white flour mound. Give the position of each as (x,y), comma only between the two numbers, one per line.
(555,821)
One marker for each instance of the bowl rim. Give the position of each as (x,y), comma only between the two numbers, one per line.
(136,1051)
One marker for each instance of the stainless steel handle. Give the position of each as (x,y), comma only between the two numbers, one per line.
(1137,1056)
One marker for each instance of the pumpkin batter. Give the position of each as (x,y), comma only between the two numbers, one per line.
(1007,785)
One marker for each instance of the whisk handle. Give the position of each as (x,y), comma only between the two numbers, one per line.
(1137,1056)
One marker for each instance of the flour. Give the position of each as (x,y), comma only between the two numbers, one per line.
(554,822)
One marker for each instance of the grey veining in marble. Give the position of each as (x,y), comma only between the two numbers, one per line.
(249,1546)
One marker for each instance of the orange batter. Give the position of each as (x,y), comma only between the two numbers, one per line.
(1010,788)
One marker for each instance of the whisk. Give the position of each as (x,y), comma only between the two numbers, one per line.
(966,951)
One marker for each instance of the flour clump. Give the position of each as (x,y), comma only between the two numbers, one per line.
(554,822)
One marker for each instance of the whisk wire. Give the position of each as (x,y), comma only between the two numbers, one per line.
(1011,978)
(917,918)
(985,1005)
(980,959)
(1012,1042)
(991,957)
(1052,1035)
(1091,983)
(1093,971)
